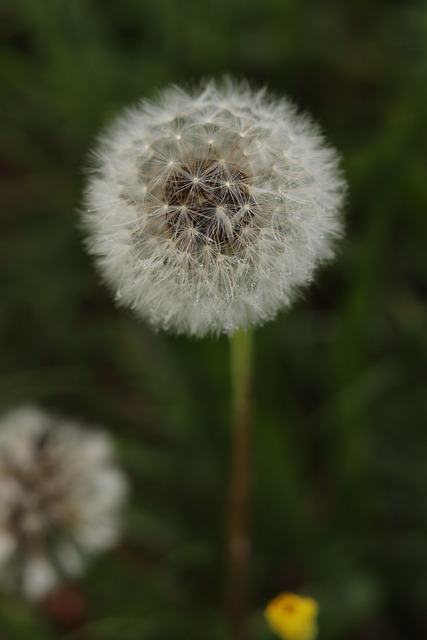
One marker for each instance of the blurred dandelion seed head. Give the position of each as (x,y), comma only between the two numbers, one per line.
(207,210)
(293,617)
(60,495)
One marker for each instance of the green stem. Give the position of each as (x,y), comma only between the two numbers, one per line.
(238,538)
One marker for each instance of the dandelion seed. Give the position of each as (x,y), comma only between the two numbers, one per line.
(293,617)
(60,493)
(265,192)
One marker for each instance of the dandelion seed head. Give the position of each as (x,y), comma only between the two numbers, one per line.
(222,195)
(60,494)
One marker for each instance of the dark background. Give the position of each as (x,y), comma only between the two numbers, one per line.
(340,442)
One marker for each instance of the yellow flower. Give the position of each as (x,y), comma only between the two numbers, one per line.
(293,617)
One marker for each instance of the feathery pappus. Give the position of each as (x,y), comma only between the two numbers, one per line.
(60,497)
(207,210)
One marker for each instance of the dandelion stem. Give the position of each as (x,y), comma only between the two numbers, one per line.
(238,540)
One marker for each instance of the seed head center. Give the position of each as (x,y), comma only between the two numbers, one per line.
(212,198)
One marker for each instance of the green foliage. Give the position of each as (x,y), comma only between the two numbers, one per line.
(341,440)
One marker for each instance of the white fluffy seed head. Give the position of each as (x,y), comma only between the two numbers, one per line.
(207,210)
(60,496)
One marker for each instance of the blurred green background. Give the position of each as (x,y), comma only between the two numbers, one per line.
(340,445)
